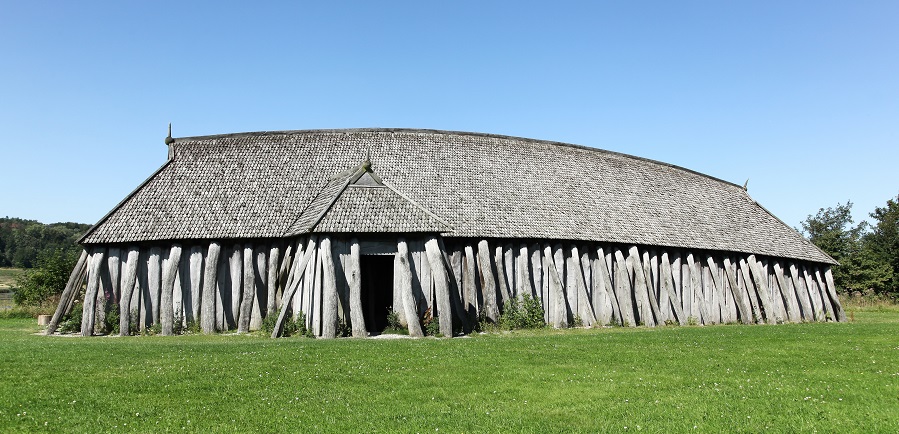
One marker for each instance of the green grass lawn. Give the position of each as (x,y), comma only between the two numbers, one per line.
(787,378)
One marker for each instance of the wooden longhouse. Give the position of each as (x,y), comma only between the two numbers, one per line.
(342,225)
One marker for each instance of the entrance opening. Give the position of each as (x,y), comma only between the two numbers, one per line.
(377,290)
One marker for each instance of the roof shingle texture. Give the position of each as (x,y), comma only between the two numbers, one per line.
(257,185)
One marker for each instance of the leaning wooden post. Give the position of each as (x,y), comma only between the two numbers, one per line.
(668,287)
(357,318)
(297,274)
(641,292)
(169,273)
(761,283)
(832,293)
(130,277)
(409,306)
(210,271)
(90,296)
(69,293)
(788,294)
(329,290)
(558,314)
(488,281)
(743,306)
(441,285)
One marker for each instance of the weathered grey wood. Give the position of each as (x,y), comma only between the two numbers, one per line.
(274,256)
(668,288)
(154,280)
(805,303)
(650,288)
(584,309)
(677,269)
(658,286)
(357,319)
(522,273)
(223,291)
(488,281)
(623,290)
(761,283)
(536,272)
(441,286)
(835,300)
(69,292)
(300,273)
(602,303)
(751,290)
(235,269)
(789,296)
(697,304)
(744,309)
(409,305)
(166,305)
(455,283)
(140,302)
(88,314)
(469,282)
(715,290)
(504,291)
(822,287)
(814,295)
(113,264)
(286,263)
(260,295)
(208,305)
(329,290)
(607,263)
(509,269)
(128,280)
(196,283)
(248,290)
(567,302)
(641,293)
(558,314)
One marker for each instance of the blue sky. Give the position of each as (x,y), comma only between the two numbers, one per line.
(800,97)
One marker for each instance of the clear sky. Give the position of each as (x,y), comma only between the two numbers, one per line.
(800,97)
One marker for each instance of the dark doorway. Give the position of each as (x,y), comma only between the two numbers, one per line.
(377,290)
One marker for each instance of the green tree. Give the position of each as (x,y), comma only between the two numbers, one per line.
(40,286)
(884,239)
(860,269)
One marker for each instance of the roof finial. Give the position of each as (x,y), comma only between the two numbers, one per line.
(169,140)
(746,184)
(367,163)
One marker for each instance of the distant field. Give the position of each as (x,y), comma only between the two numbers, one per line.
(787,378)
(8,277)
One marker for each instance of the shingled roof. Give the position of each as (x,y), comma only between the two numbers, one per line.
(277,184)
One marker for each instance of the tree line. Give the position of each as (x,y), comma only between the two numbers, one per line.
(23,242)
(868,253)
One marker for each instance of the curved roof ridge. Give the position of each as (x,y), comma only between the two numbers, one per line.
(182,140)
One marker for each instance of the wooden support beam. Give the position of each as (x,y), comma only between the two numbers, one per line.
(298,272)
(329,290)
(154,282)
(488,282)
(761,283)
(697,299)
(410,307)
(822,288)
(208,306)
(73,286)
(129,277)
(470,306)
(602,301)
(668,288)
(441,286)
(650,288)
(504,290)
(558,314)
(274,258)
(805,303)
(744,309)
(248,290)
(113,264)
(522,273)
(788,294)
(832,292)
(88,314)
(357,318)
(751,290)
(584,308)
(814,294)
(624,290)
(641,295)
(166,300)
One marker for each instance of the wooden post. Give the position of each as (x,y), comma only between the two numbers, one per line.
(715,289)
(357,318)
(69,292)
(504,291)
(522,275)
(196,282)
(166,306)
(90,296)
(761,282)
(789,296)
(802,294)
(743,307)
(822,288)
(470,310)
(832,292)
(488,282)
(441,285)
(602,302)
(814,295)
(635,273)
(650,288)
(245,310)
(154,276)
(558,313)
(329,290)
(113,264)
(274,255)
(207,318)
(623,289)
(298,273)
(410,308)
(668,288)
(128,279)
(584,309)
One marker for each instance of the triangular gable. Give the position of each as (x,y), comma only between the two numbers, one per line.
(357,200)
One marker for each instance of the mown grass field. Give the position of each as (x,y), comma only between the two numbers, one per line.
(8,277)
(788,378)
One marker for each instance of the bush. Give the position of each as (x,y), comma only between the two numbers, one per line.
(525,312)
(39,286)
(430,325)
(71,323)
